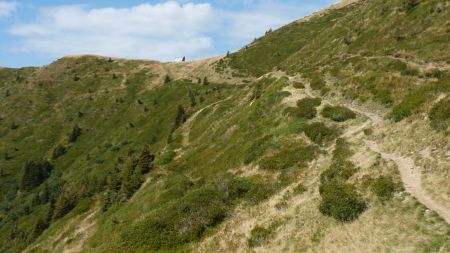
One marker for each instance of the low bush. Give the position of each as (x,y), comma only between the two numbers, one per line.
(185,220)
(409,105)
(317,83)
(35,173)
(306,108)
(319,133)
(341,202)
(338,113)
(298,85)
(259,236)
(440,114)
(75,134)
(59,151)
(288,158)
(384,188)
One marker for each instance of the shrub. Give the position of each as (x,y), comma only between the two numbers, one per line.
(65,203)
(409,5)
(298,85)
(306,108)
(59,151)
(205,81)
(75,134)
(341,202)
(186,219)
(146,159)
(440,114)
(317,83)
(319,133)
(409,105)
(338,113)
(288,158)
(35,173)
(384,188)
(259,236)
(167,79)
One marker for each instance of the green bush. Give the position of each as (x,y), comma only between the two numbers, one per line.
(35,173)
(384,188)
(75,134)
(59,151)
(306,108)
(298,85)
(440,114)
(317,83)
(338,113)
(186,219)
(341,202)
(259,236)
(319,133)
(288,158)
(409,105)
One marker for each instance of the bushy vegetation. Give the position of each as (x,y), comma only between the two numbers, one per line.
(288,157)
(35,173)
(259,236)
(319,133)
(440,114)
(317,83)
(306,108)
(338,113)
(186,219)
(341,202)
(384,188)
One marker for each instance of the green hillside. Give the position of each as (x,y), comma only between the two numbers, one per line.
(300,142)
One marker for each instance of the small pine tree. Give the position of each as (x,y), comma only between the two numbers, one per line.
(145,160)
(110,59)
(14,126)
(7,93)
(181,117)
(35,173)
(184,58)
(59,151)
(228,53)
(205,81)
(199,80)
(167,79)
(75,134)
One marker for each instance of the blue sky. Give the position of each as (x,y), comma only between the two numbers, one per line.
(35,33)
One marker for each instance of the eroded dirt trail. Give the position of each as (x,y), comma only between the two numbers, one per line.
(409,173)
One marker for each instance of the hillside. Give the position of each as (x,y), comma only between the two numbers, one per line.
(330,134)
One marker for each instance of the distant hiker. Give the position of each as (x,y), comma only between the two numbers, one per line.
(184,59)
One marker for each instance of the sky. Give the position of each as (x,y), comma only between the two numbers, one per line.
(37,32)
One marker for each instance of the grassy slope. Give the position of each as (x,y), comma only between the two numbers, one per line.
(123,105)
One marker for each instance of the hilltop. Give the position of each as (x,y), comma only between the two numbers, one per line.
(330,134)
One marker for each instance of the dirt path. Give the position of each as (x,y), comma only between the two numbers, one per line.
(409,173)
(186,130)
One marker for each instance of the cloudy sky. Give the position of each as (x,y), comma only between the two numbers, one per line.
(36,32)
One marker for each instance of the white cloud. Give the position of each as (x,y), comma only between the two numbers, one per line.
(6,8)
(156,31)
